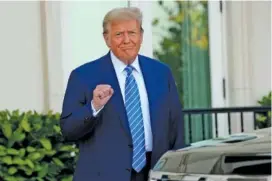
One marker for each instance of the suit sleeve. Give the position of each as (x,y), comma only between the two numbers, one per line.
(177,139)
(77,118)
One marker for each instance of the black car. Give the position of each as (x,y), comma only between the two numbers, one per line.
(239,157)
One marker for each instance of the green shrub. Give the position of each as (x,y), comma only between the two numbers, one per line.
(264,119)
(32,148)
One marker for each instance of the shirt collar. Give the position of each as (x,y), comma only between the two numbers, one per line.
(119,66)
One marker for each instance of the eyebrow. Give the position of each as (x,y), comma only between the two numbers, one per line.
(134,30)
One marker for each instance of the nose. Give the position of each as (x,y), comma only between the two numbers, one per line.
(126,38)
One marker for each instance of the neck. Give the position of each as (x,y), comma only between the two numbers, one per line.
(127,62)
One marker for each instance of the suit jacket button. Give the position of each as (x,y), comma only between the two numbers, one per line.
(86,119)
(128,169)
(130,146)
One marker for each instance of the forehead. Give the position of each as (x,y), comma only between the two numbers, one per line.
(122,25)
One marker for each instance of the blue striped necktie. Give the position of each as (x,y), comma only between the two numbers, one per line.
(135,120)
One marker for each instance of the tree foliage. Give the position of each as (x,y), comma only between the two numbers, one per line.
(188,26)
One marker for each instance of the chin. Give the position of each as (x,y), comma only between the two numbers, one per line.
(130,58)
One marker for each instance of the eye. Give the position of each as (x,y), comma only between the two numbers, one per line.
(132,32)
(118,34)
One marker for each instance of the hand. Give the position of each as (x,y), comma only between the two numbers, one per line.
(101,95)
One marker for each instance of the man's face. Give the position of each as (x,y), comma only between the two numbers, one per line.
(124,38)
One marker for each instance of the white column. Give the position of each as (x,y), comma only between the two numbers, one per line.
(260,33)
(21,57)
(249,49)
(146,8)
(239,59)
(53,43)
(217,64)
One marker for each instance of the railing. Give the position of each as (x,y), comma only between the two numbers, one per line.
(215,111)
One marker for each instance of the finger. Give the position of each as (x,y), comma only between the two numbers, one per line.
(106,99)
(102,91)
(99,94)
(107,91)
(111,91)
(103,86)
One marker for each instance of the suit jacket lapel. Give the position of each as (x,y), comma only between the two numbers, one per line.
(150,80)
(116,100)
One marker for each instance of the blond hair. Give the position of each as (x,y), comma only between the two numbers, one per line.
(124,13)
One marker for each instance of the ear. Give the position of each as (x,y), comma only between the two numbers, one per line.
(107,39)
(142,36)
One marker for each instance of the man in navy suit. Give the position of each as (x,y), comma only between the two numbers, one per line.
(123,108)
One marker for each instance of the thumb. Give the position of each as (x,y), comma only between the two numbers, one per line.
(106,99)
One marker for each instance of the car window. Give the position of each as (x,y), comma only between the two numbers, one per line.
(187,163)
(169,164)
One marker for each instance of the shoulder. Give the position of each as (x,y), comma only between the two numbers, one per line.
(156,64)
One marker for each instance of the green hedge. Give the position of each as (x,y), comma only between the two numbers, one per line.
(32,148)
(264,119)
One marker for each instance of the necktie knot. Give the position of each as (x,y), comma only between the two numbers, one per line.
(129,69)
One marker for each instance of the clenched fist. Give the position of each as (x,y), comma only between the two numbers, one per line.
(101,95)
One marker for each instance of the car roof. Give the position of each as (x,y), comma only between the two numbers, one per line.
(258,141)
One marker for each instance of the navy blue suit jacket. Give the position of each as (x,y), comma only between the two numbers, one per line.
(104,141)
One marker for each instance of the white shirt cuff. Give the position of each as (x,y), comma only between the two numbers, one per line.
(94,111)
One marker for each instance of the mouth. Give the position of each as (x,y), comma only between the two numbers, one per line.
(127,48)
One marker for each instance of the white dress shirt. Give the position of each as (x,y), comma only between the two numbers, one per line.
(119,67)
